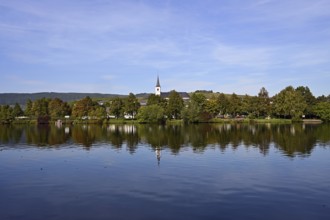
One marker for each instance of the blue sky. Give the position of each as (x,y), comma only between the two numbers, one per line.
(121,46)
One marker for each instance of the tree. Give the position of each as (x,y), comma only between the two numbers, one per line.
(196,110)
(249,106)
(6,115)
(17,111)
(28,109)
(157,100)
(199,99)
(234,104)
(98,112)
(212,106)
(263,103)
(191,113)
(117,107)
(83,107)
(153,99)
(223,104)
(58,108)
(322,110)
(175,105)
(263,93)
(151,114)
(40,107)
(131,105)
(309,99)
(322,98)
(289,103)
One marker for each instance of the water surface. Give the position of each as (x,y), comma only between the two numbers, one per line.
(225,171)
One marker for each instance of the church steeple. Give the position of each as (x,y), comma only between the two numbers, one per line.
(158,84)
(157,88)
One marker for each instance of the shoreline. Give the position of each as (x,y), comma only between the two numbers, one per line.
(173,122)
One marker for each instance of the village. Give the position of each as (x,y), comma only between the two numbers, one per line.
(290,104)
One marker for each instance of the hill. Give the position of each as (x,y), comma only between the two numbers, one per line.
(21,98)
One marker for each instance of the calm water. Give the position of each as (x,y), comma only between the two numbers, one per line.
(172,172)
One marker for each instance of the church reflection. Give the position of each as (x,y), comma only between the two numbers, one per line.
(158,152)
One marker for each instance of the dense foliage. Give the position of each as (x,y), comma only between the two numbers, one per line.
(289,103)
(322,110)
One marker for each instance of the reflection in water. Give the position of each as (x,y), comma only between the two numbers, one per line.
(110,172)
(158,154)
(295,139)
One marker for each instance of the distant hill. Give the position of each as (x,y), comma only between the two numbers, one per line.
(21,98)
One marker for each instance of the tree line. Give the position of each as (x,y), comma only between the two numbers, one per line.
(289,103)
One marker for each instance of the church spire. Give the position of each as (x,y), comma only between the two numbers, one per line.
(158,84)
(157,88)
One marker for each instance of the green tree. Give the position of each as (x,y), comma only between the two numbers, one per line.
(196,110)
(117,107)
(309,99)
(212,106)
(289,103)
(151,114)
(322,110)
(223,104)
(40,107)
(199,99)
(191,113)
(17,111)
(28,110)
(6,115)
(249,106)
(132,105)
(323,98)
(98,112)
(83,107)
(263,103)
(175,105)
(58,108)
(235,104)
(154,99)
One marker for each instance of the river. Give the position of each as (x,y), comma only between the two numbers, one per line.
(204,171)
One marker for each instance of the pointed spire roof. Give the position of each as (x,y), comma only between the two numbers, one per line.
(158,84)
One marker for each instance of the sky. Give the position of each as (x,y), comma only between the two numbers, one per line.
(118,47)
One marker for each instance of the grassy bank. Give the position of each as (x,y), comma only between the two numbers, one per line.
(245,120)
(175,122)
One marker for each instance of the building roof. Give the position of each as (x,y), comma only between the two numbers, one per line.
(183,95)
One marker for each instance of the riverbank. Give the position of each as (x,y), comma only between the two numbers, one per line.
(174,122)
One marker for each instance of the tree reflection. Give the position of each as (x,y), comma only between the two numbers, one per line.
(11,134)
(295,139)
(292,140)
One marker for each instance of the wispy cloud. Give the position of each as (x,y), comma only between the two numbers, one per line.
(255,57)
(209,44)
(108,77)
(23,80)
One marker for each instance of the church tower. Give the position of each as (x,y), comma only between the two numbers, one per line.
(157,88)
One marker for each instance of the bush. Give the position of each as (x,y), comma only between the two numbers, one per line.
(151,114)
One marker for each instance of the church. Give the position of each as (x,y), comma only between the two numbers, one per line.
(184,95)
